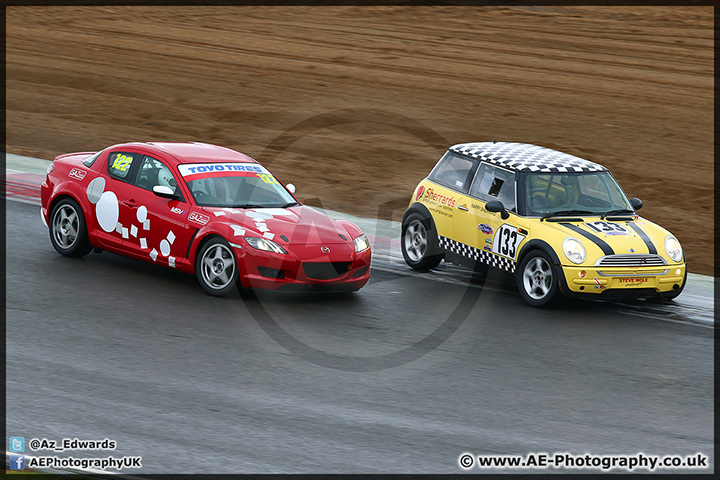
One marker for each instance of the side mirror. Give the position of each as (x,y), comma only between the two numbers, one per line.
(164,192)
(291,188)
(497,206)
(636,203)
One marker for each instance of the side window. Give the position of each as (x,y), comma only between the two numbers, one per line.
(119,164)
(455,172)
(492,183)
(91,159)
(153,172)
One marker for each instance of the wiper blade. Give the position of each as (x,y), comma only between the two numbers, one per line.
(620,211)
(562,213)
(253,205)
(248,205)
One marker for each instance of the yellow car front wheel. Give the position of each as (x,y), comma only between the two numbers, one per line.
(538,279)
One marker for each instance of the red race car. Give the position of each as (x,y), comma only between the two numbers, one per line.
(201,209)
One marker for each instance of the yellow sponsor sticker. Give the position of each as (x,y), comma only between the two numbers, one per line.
(268,178)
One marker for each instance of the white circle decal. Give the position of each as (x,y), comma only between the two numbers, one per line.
(95,189)
(165,248)
(142,214)
(107,211)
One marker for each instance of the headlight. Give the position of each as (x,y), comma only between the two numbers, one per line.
(264,244)
(673,248)
(50,168)
(361,243)
(574,250)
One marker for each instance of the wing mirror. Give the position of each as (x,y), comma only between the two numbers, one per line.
(636,203)
(291,188)
(164,192)
(497,206)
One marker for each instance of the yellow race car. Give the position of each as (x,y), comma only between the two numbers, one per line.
(560,223)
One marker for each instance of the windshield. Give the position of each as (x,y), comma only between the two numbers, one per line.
(238,185)
(589,193)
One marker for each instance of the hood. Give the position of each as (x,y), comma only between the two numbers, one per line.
(608,237)
(301,225)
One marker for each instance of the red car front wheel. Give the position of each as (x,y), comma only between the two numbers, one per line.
(216,267)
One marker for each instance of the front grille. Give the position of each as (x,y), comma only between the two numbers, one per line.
(632,273)
(631,260)
(325,271)
(629,293)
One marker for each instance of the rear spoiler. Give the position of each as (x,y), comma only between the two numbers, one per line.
(74,154)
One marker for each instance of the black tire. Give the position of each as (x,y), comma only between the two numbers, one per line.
(537,279)
(674,293)
(216,267)
(416,241)
(68,230)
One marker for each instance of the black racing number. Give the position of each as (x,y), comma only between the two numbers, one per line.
(508,242)
(600,227)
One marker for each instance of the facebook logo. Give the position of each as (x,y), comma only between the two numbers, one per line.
(17,462)
(17,444)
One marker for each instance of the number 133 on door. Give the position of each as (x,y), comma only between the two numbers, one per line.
(506,241)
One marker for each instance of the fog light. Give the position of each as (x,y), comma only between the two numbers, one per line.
(677,272)
(582,273)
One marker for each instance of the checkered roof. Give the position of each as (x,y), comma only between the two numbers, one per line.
(525,157)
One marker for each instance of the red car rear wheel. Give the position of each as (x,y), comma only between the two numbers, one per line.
(68,231)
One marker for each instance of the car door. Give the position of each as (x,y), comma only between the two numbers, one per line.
(105,192)
(152,226)
(485,230)
(453,176)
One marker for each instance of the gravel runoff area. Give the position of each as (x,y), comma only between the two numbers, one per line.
(355,104)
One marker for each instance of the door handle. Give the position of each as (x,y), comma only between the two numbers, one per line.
(130,203)
(463,208)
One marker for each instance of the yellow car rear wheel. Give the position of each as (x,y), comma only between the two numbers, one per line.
(417,241)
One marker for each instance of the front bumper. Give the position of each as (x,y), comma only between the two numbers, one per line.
(44,216)
(297,270)
(631,282)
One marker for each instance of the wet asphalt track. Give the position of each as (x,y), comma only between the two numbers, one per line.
(392,379)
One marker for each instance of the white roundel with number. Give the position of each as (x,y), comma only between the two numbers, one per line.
(506,241)
(608,228)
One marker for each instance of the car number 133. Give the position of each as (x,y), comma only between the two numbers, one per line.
(506,241)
